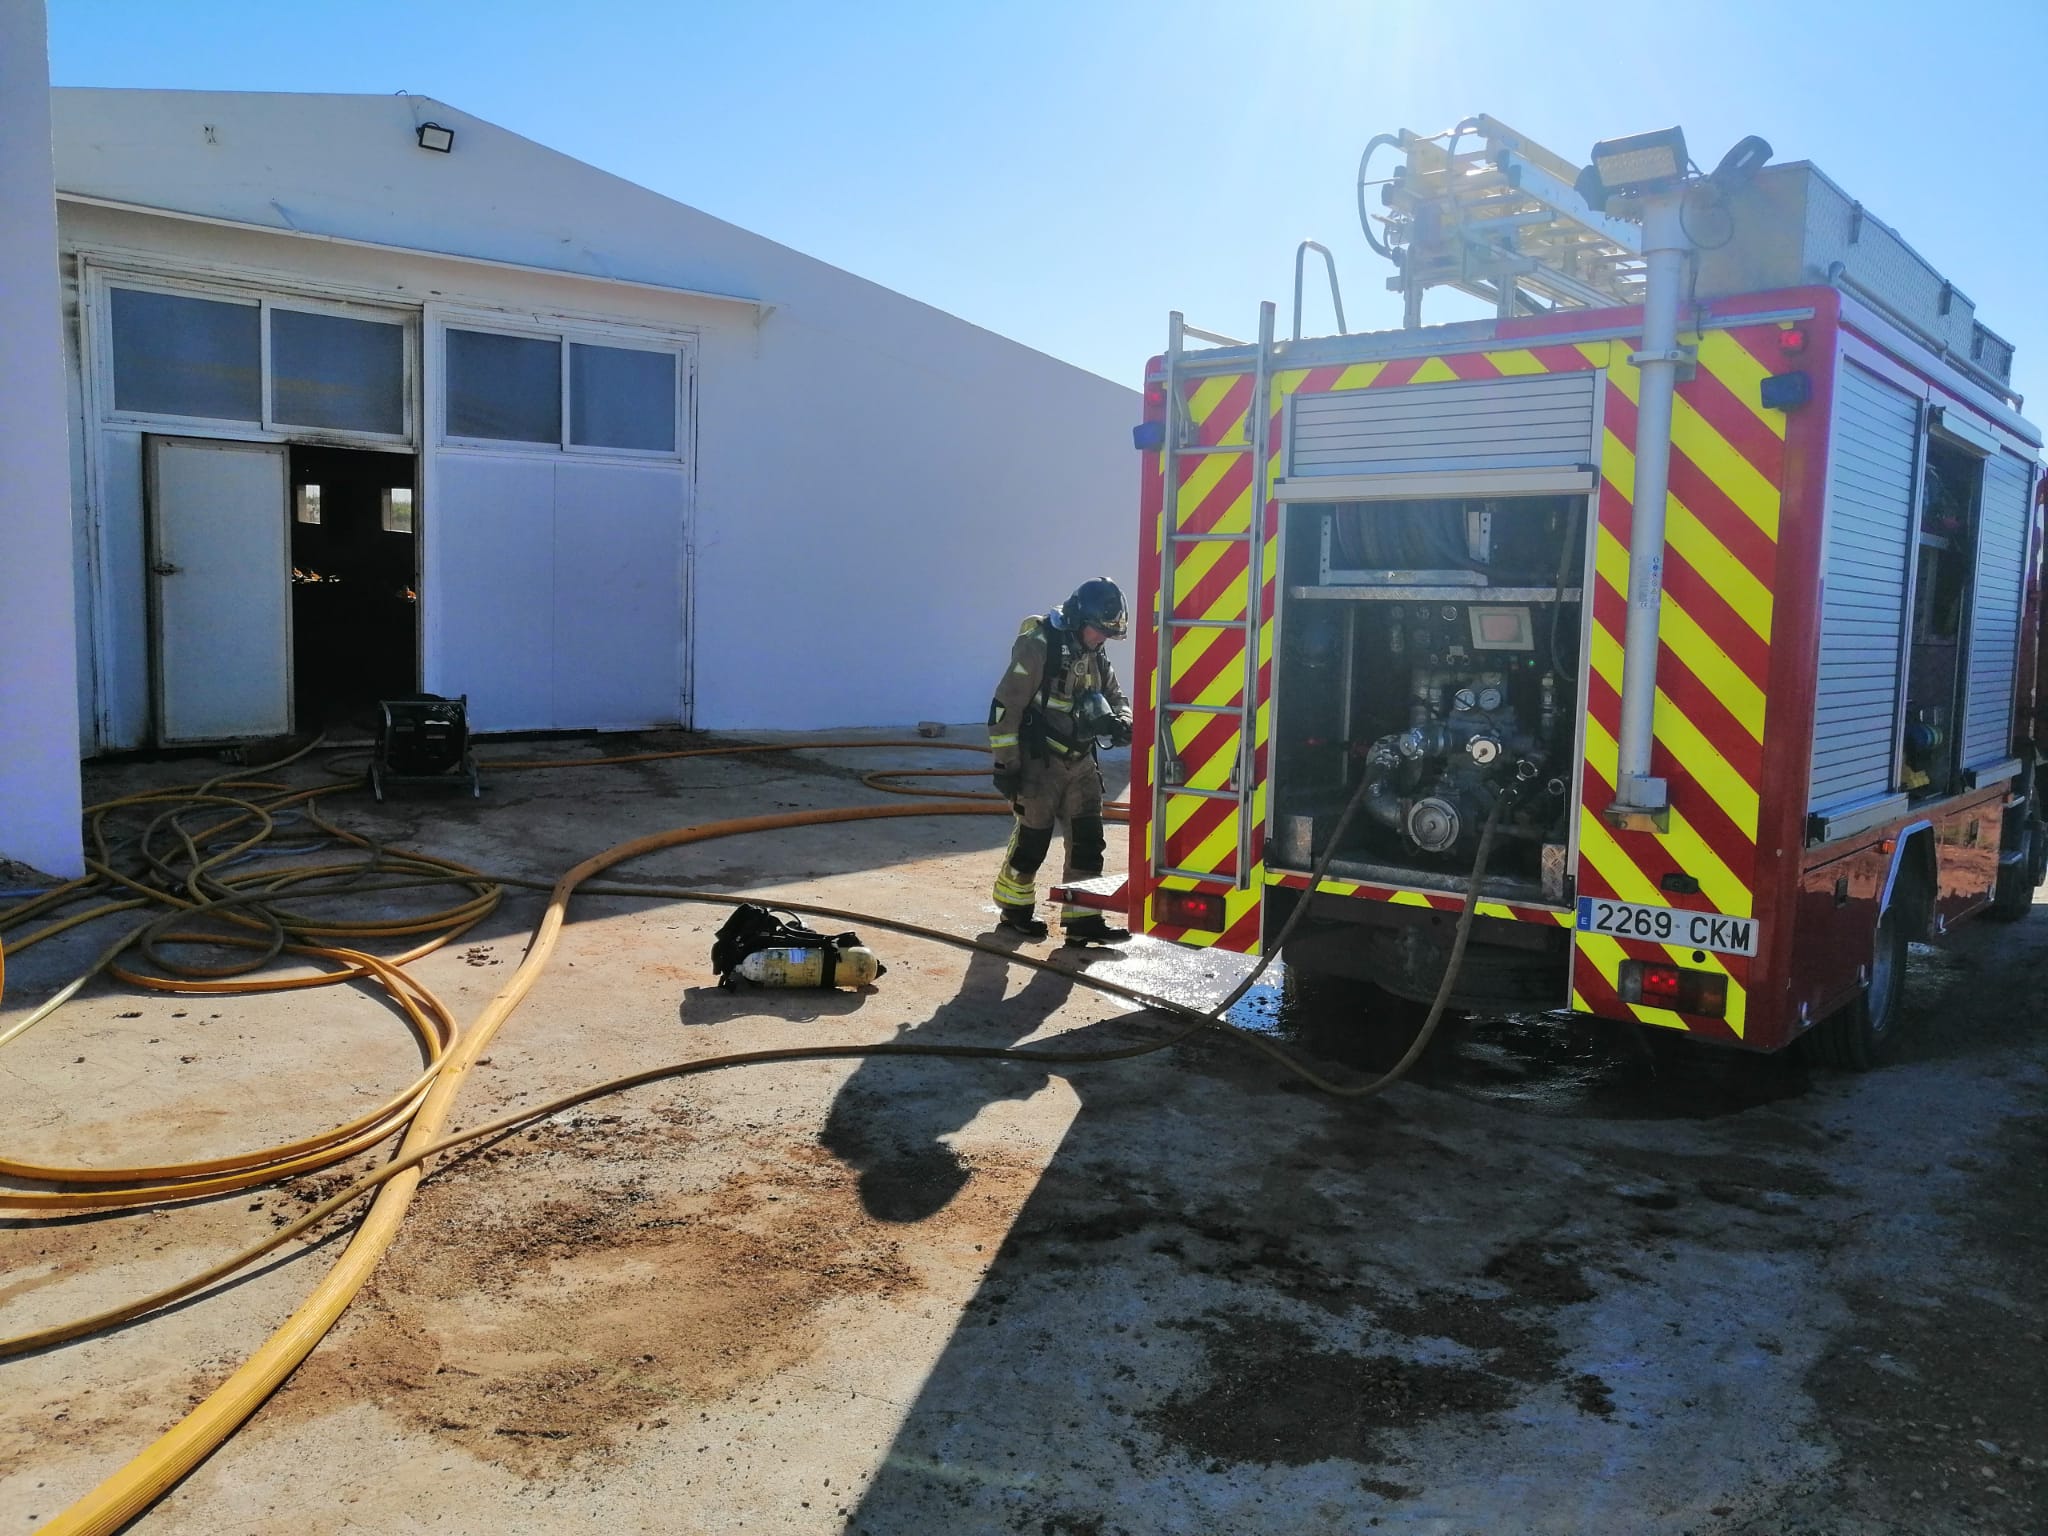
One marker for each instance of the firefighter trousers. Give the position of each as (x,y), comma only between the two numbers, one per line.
(1063,793)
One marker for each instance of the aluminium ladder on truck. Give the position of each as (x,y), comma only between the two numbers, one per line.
(1177,548)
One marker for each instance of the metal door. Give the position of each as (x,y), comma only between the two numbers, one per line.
(2002,533)
(1870,522)
(1524,422)
(220,590)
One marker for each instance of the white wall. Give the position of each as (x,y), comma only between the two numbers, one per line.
(39,782)
(881,489)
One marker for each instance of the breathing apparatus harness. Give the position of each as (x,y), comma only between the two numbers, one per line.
(1095,719)
(753,928)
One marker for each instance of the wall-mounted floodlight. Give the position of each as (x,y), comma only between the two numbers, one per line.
(1641,161)
(433,136)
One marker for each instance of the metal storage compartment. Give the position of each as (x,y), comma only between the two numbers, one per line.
(1513,423)
(1995,623)
(1790,226)
(1869,543)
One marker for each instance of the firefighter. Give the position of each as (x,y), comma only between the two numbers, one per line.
(1056,701)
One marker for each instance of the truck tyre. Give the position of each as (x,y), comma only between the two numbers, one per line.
(2012,898)
(1863,1035)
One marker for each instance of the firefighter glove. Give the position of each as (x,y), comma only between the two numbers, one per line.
(1120,729)
(1009,781)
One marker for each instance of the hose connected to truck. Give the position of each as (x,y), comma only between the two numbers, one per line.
(257,922)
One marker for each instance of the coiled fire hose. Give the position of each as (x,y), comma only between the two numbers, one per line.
(131,1490)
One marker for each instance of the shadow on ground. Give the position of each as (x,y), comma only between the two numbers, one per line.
(1566,1281)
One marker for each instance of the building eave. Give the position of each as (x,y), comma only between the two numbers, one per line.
(760,307)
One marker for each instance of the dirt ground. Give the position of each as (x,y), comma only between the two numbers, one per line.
(1564,1280)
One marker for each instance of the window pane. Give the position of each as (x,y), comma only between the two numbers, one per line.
(619,398)
(505,387)
(331,371)
(309,503)
(180,356)
(398,509)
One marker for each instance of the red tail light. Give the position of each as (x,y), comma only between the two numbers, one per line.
(1155,389)
(1655,984)
(1190,909)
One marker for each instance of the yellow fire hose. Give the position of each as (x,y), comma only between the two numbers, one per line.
(425,1105)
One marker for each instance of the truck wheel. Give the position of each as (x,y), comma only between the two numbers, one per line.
(1862,1035)
(2012,898)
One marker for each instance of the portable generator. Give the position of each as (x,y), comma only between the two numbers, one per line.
(423,737)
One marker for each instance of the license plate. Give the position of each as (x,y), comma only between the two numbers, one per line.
(1668,925)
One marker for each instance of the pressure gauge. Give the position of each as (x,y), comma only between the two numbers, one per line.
(1489,698)
(1464,699)
(1484,749)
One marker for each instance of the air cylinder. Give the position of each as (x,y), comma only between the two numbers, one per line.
(791,967)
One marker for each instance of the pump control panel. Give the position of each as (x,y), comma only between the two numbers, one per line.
(1501,628)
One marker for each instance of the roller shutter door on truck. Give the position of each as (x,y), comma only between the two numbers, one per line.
(1995,610)
(1874,457)
(1491,424)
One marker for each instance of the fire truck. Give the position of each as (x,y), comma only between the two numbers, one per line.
(1701,577)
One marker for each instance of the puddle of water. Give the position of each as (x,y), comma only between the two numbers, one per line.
(1552,1063)
(1562,1064)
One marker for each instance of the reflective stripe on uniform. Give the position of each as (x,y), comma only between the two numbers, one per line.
(1002,741)
(1012,889)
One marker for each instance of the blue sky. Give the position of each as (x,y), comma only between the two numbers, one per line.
(1067,172)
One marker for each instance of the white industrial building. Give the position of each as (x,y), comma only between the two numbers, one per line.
(39,783)
(368,395)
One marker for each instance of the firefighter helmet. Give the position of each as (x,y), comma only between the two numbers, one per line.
(1099,602)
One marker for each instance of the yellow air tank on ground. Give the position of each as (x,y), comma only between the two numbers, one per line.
(855,966)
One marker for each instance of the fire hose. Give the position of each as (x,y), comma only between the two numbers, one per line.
(424,1107)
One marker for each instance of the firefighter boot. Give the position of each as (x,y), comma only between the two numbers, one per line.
(1092,928)
(1020,920)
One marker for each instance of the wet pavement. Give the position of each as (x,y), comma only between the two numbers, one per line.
(1553,1064)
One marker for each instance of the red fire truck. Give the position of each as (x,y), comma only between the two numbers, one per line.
(1707,568)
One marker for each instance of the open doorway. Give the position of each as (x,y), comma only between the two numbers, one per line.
(355,584)
(1943,586)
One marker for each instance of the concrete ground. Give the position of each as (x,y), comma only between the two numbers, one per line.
(1558,1282)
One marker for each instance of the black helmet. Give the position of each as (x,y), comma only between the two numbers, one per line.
(1099,602)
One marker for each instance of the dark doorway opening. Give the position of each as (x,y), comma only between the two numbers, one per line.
(355,584)
(1943,589)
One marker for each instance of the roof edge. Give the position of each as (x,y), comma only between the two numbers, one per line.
(761,307)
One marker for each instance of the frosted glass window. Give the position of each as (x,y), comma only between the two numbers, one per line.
(334,371)
(309,503)
(508,388)
(179,356)
(622,398)
(398,509)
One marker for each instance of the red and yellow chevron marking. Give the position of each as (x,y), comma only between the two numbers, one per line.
(1205,663)
(1437,901)
(1720,572)
(1714,640)
(1206,833)
(1206,666)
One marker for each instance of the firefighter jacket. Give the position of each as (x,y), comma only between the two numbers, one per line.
(1033,712)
